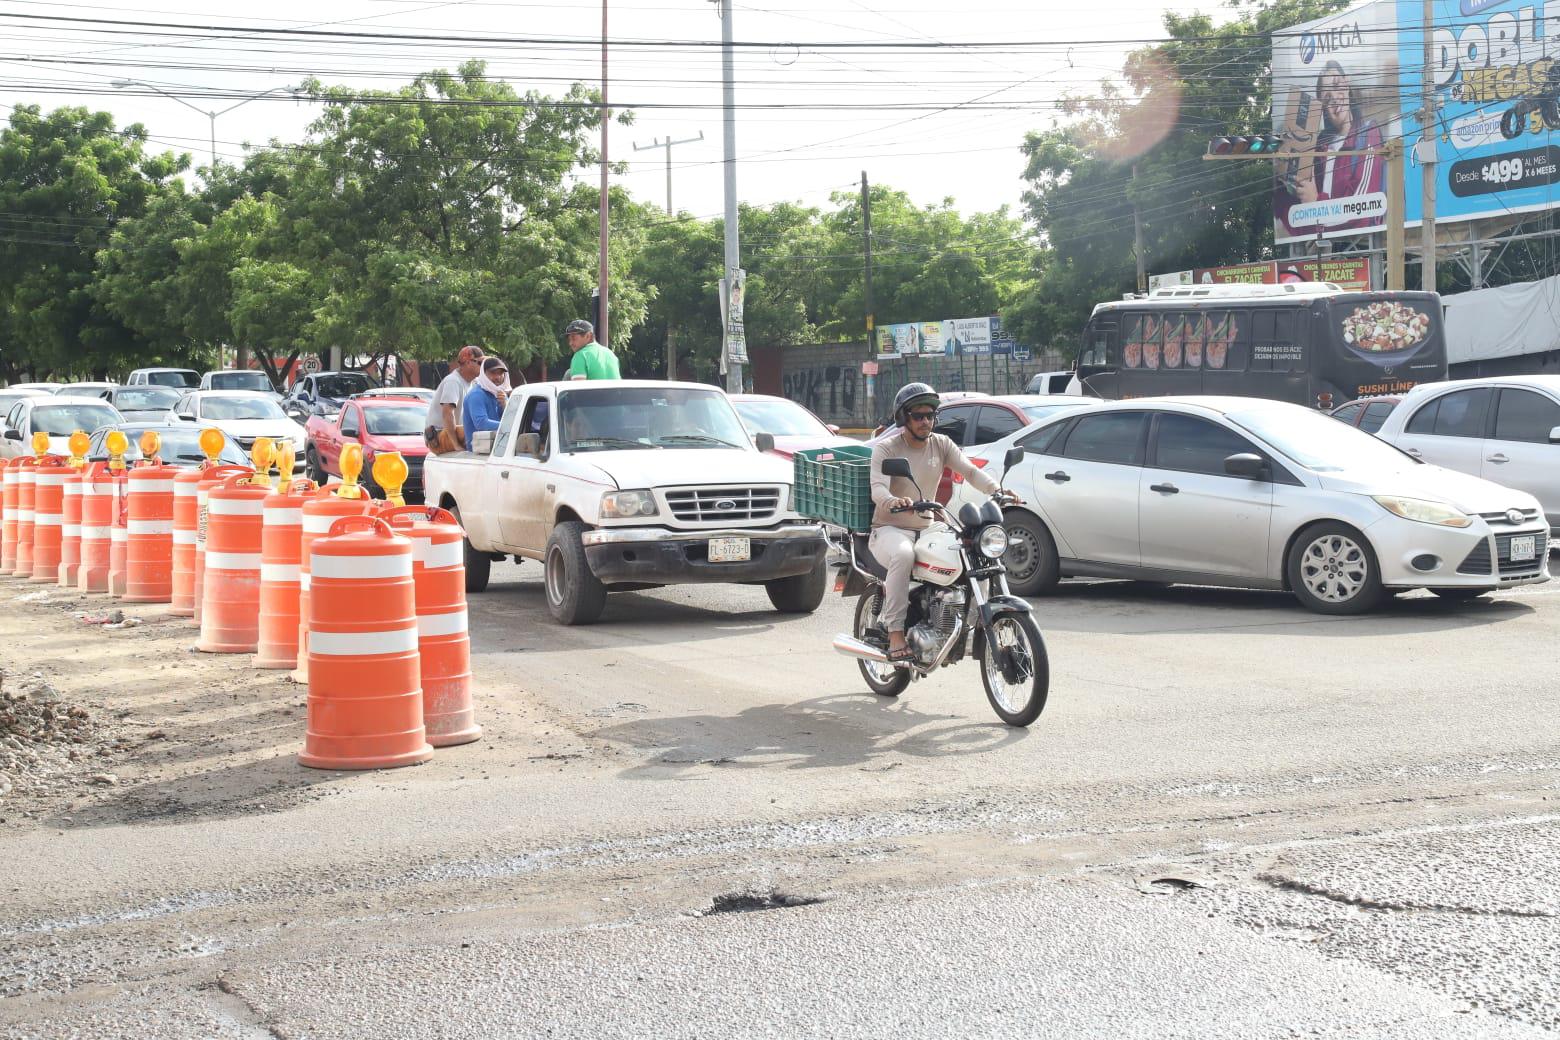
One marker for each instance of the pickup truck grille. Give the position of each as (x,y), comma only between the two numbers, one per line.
(724,505)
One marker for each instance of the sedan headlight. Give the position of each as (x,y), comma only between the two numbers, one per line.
(624,505)
(1423,511)
(993,541)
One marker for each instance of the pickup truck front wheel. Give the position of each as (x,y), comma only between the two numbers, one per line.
(801,593)
(574,596)
(478,565)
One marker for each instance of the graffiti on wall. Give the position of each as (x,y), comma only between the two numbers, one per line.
(828,390)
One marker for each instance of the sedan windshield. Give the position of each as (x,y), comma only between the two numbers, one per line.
(396,422)
(145,398)
(240,408)
(178,444)
(648,417)
(1319,442)
(240,381)
(62,420)
(781,418)
(344,385)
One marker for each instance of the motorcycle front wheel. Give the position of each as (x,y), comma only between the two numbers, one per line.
(1015,670)
(882,679)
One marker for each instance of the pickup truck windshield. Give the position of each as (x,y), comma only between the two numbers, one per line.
(648,417)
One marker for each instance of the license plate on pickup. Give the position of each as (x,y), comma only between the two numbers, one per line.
(740,550)
(1524,548)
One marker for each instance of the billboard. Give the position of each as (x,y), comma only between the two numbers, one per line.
(1352,81)
(1350,273)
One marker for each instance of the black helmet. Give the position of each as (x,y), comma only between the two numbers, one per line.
(912,394)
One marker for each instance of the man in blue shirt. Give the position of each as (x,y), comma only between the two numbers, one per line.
(484,404)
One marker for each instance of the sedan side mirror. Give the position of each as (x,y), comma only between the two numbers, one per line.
(186,417)
(1247,465)
(1554,435)
(764,441)
(529,445)
(896,468)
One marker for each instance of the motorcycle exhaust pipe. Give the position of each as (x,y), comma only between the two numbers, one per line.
(853,647)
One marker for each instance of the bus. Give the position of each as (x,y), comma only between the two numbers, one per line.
(1312,344)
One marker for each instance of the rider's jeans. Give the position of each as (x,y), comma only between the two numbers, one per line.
(894,548)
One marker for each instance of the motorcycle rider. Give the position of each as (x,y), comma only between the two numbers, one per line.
(892,541)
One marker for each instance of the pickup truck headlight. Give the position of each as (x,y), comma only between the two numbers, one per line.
(1423,511)
(625,505)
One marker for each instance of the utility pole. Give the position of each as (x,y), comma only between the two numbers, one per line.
(866,241)
(667,144)
(606,118)
(1137,237)
(1427,149)
(729,119)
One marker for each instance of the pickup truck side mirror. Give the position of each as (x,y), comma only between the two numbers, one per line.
(1554,435)
(896,468)
(529,444)
(764,441)
(13,435)
(482,442)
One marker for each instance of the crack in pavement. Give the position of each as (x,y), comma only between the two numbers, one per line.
(1288,884)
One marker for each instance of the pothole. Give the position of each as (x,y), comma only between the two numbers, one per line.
(748,902)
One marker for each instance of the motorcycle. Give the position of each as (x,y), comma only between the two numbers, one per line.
(959,604)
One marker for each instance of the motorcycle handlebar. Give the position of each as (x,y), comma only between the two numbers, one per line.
(914,507)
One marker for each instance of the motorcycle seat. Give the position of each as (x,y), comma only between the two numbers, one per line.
(865,558)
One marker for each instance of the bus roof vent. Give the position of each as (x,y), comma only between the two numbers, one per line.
(1227,292)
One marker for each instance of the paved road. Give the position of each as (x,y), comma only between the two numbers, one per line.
(1234,819)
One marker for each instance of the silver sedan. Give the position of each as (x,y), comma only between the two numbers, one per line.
(1250,493)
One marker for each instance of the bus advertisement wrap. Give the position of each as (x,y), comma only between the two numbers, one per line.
(1352,82)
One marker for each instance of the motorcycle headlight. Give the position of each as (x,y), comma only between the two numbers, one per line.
(993,541)
(1423,511)
(624,505)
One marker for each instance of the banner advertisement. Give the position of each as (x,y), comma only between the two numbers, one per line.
(1336,87)
(966,336)
(1352,81)
(731,306)
(1165,281)
(1350,273)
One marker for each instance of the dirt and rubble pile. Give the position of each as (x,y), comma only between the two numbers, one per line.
(41,736)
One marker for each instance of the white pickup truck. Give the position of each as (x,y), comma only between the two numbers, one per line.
(624,485)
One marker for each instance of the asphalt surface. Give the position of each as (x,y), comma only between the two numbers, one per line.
(1234,819)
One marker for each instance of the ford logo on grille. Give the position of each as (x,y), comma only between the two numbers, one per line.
(726,505)
(1514,516)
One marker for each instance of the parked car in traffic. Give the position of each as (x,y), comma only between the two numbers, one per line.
(243,415)
(238,379)
(59,417)
(1049,382)
(793,427)
(421,393)
(47,388)
(1368,413)
(322,393)
(380,424)
(180,444)
(83,389)
(145,403)
(1249,493)
(10,395)
(1505,429)
(178,378)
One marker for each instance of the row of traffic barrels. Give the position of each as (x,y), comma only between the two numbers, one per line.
(384,647)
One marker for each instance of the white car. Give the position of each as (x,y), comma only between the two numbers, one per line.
(243,415)
(177,378)
(1505,429)
(1249,493)
(59,417)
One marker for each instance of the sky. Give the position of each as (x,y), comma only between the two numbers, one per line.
(828,90)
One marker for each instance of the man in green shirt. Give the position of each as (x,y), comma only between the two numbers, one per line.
(591,359)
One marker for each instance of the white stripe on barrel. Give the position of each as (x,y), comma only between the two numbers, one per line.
(331,566)
(227,561)
(97,534)
(318,524)
(151,526)
(280,572)
(281,516)
(439,555)
(359,644)
(183,537)
(451,624)
(234,507)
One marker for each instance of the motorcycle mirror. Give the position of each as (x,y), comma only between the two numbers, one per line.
(1014,456)
(896,468)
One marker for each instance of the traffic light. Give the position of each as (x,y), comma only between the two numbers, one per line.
(1247,144)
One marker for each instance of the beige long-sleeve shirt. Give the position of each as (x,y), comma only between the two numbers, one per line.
(927,462)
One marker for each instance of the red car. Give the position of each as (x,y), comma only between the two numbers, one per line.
(793,427)
(1368,413)
(378,424)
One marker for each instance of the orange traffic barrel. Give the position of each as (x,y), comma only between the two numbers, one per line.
(118,533)
(365,705)
(10,483)
(21,563)
(149,525)
(443,644)
(230,598)
(97,521)
(70,530)
(184,520)
(281,543)
(48,517)
(319,513)
(210,477)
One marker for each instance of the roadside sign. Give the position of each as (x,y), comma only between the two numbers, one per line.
(1022,353)
(869,368)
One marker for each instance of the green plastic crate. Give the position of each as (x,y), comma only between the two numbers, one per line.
(835,484)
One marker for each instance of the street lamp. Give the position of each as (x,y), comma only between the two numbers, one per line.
(120,84)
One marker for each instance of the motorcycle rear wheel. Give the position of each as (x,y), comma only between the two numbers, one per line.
(1018,693)
(882,679)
